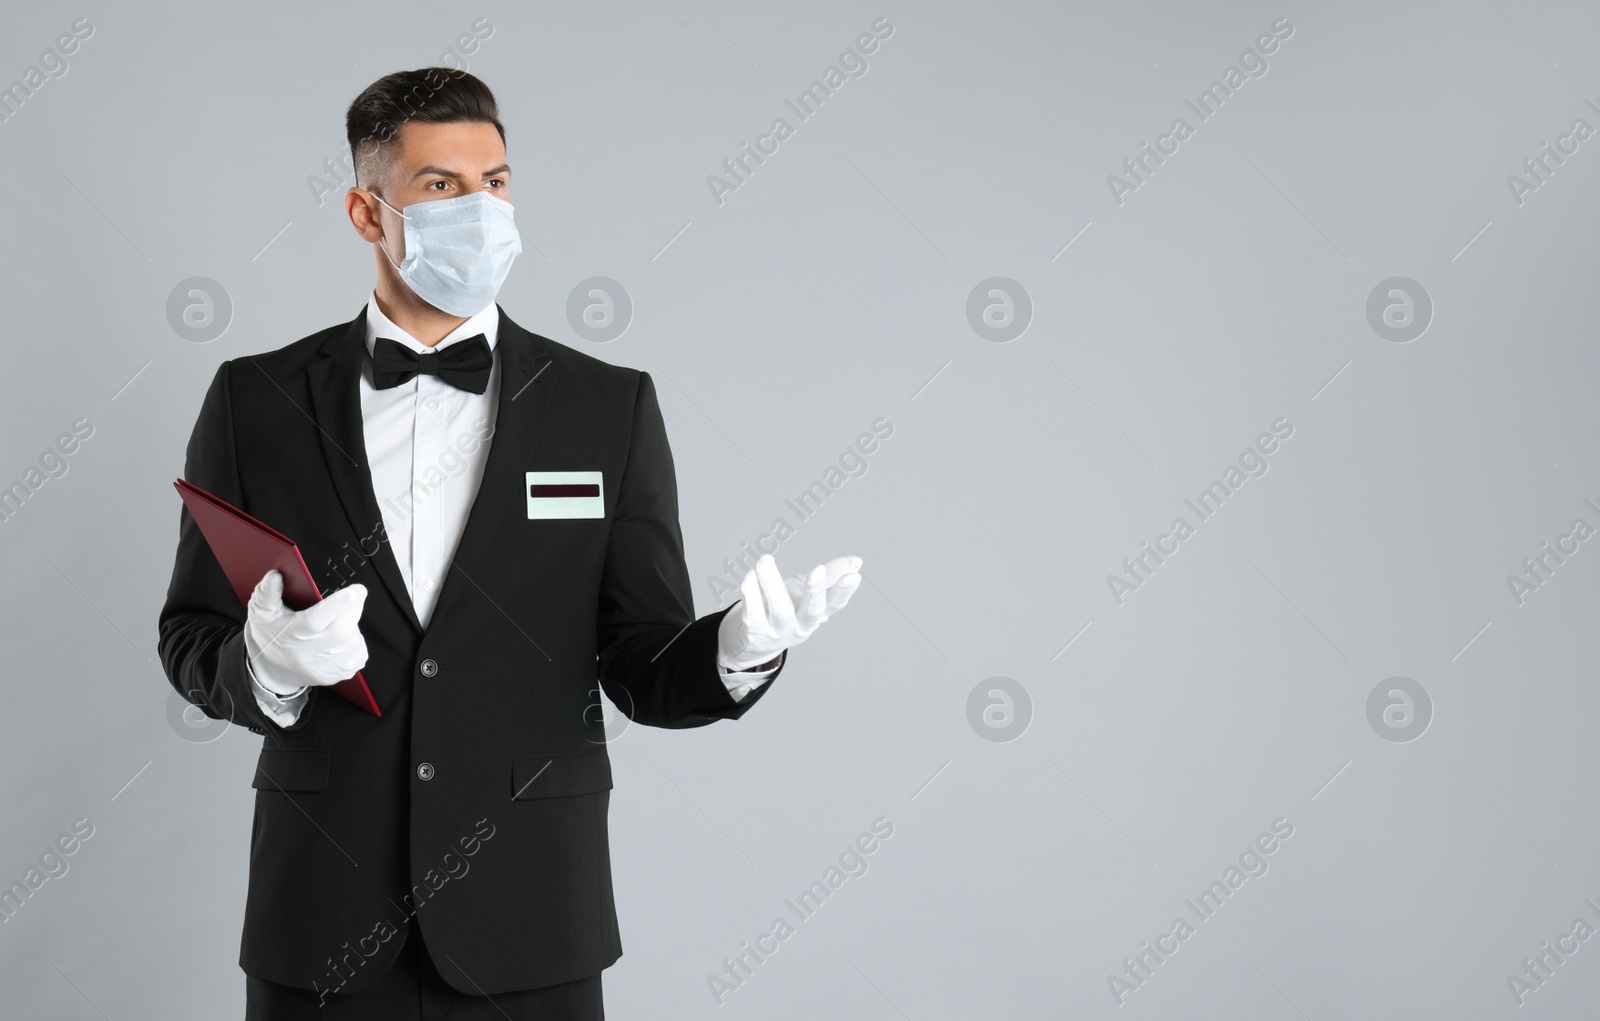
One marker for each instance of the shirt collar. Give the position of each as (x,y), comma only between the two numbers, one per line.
(486,322)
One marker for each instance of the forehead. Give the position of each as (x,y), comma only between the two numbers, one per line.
(468,147)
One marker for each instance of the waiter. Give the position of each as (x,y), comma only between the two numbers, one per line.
(493,517)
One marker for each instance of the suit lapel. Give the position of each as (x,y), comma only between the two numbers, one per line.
(335,383)
(527,380)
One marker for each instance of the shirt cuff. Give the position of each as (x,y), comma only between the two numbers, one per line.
(741,683)
(281,709)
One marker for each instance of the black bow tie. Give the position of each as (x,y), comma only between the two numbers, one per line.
(464,365)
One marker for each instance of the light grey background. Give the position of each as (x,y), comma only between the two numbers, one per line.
(1166,733)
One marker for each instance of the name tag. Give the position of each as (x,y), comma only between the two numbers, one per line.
(566,495)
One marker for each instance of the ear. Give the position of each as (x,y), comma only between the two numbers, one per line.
(363,209)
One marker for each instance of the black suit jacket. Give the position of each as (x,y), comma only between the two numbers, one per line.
(501,852)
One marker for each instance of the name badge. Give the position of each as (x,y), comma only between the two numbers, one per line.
(566,495)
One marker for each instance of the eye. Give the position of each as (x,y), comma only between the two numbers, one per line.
(497,180)
(440,181)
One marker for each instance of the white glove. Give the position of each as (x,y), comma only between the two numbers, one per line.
(776,615)
(319,645)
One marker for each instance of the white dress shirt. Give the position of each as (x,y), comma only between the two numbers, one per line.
(427,443)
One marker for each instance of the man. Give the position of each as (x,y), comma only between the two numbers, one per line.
(493,518)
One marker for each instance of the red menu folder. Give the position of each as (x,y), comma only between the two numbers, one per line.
(247,549)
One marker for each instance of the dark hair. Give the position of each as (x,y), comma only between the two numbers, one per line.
(432,95)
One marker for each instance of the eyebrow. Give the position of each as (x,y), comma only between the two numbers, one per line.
(503,168)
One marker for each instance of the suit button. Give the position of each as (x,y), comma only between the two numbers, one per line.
(425,771)
(429,668)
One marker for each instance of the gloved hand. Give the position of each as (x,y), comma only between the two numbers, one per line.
(319,645)
(773,615)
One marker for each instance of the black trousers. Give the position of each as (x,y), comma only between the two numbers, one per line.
(413,990)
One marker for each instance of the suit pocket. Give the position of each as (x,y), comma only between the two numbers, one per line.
(292,769)
(560,774)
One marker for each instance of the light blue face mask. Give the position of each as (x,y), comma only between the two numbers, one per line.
(458,250)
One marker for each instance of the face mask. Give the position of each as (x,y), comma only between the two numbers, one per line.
(458,250)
